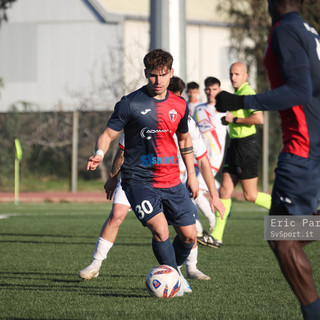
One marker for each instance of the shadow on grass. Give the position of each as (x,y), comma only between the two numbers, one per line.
(78,285)
(129,243)
(43,235)
(14,318)
(128,292)
(126,244)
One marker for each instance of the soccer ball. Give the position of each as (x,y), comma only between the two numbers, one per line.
(163,282)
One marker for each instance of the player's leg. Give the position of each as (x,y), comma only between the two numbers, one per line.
(183,244)
(105,242)
(108,234)
(162,247)
(146,203)
(161,244)
(251,194)
(199,228)
(229,181)
(191,262)
(180,212)
(247,168)
(191,265)
(203,203)
(296,192)
(296,268)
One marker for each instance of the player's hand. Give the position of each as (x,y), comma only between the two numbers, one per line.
(229,117)
(193,185)
(93,162)
(110,187)
(226,101)
(224,122)
(216,204)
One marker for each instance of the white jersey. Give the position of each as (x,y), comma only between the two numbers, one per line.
(213,132)
(199,148)
(192,107)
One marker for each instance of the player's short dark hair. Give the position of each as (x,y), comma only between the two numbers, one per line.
(176,85)
(192,85)
(211,81)
(158,59)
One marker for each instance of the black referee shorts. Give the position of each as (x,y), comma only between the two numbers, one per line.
(242,157)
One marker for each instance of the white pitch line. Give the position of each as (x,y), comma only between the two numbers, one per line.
(31,214)
(7,215)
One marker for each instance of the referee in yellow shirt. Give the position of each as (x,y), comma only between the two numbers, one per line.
(242,156)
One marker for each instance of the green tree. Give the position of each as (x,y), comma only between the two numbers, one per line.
(310,12)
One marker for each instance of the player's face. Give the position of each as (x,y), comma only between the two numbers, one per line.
(193,95)
(158,82)
(211,92)
(238,75)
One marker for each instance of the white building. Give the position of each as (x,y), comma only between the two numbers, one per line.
(62,53)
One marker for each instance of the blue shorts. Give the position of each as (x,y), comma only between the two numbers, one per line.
(296,189)
(174,202)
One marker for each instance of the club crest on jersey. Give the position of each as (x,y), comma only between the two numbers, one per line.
(173,115)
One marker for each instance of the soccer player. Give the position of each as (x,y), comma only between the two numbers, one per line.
(292,59)
(241,163)
(150,116)
(202,165)
(193,96)
(214,134)
(121,205)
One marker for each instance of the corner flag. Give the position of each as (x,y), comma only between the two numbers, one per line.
(18,149)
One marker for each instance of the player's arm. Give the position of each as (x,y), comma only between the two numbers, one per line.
(112,181)
(186,151)
(206,172)
(295,69)
(254,118)
(102,146)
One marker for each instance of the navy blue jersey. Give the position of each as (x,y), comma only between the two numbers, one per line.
(149,125)
(292,59)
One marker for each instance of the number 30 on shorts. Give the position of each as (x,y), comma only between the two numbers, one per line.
(143,209)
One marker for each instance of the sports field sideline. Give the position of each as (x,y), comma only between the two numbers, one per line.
(43,247)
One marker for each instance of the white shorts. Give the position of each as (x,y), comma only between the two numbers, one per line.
(120,196)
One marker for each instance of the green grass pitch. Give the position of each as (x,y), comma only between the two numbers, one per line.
(43,247)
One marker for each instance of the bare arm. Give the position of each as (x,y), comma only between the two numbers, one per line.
(186,150)
(103,143)
(255,118)
(112,181)
(117,163)
(206,172)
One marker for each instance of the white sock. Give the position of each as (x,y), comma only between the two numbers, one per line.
(96,264)
(102,248)
(192,259)
(199,228)
(204,205)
